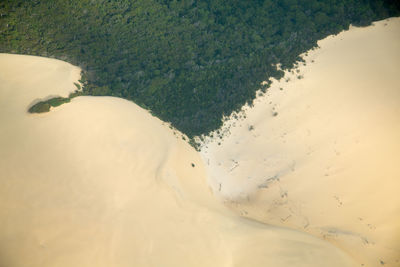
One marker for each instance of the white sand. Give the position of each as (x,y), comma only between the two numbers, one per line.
(328,163)
(100,182)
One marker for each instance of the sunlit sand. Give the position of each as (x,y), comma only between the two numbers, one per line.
(320,151)
(100,182)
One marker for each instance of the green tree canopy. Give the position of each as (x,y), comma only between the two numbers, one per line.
(190,62)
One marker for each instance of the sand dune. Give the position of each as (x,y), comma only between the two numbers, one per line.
(100,182)
(320,154)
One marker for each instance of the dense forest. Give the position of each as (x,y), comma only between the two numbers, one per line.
(190,62)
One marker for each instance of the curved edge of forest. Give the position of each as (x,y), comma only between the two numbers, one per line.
(189,62)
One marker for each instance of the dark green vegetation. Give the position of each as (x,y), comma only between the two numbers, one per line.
(189,62)
(40,107)
(44,106)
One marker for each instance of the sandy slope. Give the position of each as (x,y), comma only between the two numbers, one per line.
(100,182)
(321,154)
